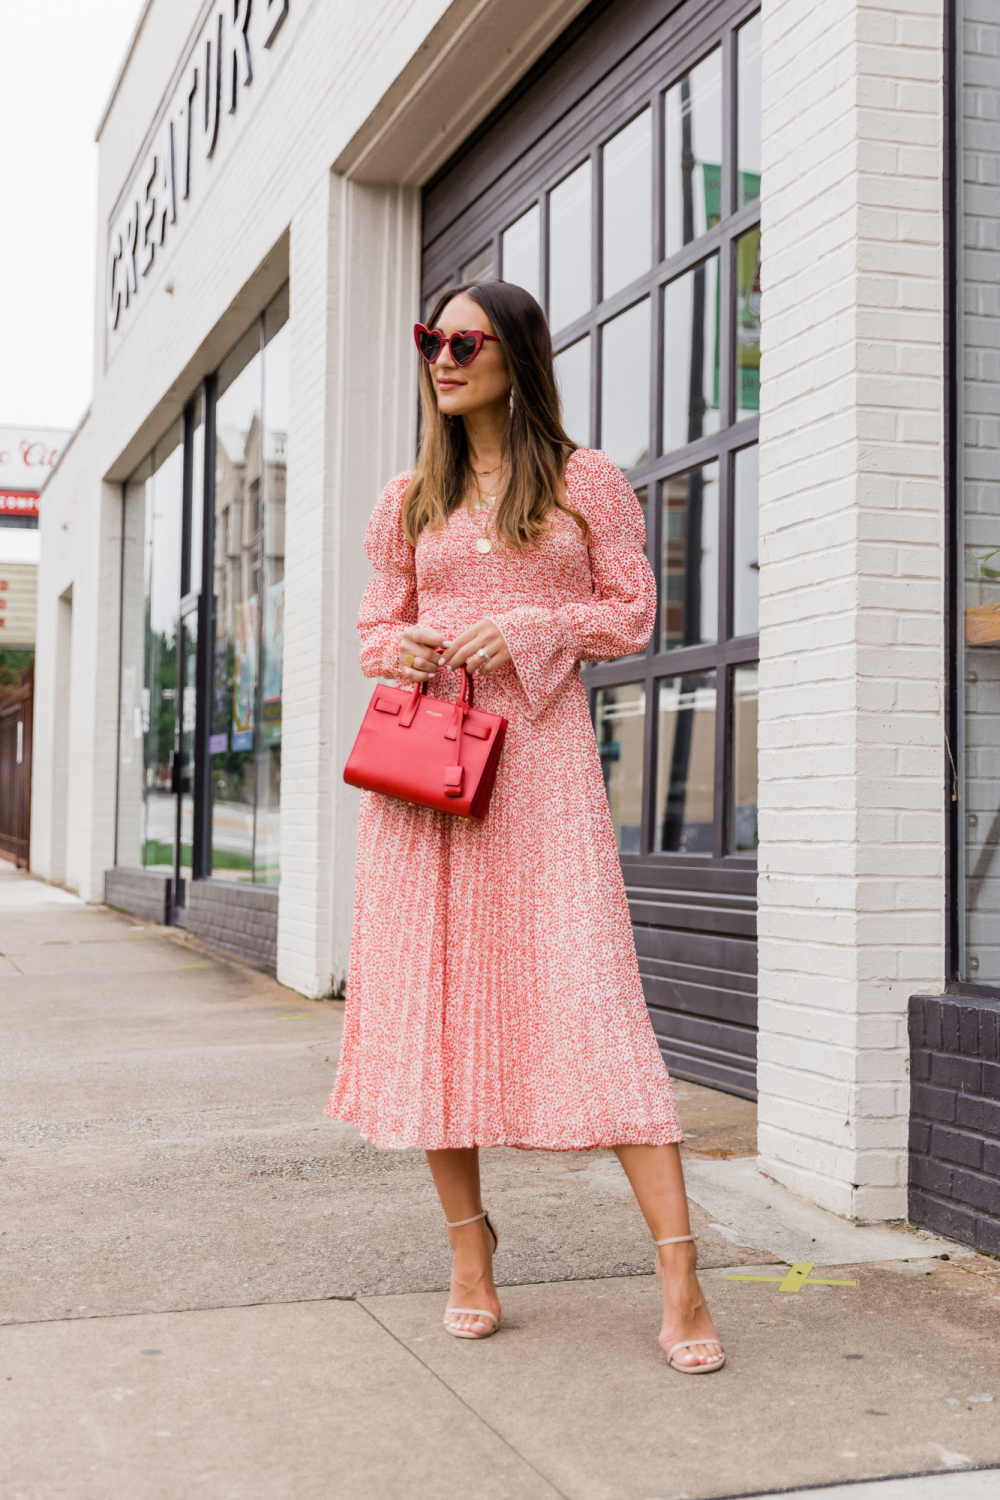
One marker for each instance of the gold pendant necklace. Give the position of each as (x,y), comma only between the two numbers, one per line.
(483,543)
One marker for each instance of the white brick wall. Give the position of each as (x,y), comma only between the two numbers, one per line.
(852,529)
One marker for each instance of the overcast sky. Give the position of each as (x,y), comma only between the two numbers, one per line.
(60,60)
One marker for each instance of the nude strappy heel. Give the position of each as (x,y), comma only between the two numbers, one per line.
(472,1312)
(711,1365)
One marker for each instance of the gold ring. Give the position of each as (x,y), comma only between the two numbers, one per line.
(408,660)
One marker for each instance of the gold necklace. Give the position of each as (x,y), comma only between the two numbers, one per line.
(483,543)
(485,473)
(484,502)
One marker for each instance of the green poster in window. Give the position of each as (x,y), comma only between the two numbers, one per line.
(748,322)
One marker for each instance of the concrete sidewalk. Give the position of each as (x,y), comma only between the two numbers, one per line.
(206,1287)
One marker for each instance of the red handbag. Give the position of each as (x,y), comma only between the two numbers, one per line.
(427,751)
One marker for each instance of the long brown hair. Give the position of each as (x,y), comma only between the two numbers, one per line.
(535,445)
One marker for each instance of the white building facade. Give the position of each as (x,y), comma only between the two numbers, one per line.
(283,187)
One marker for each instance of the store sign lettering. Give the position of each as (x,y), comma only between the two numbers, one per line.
(236,40)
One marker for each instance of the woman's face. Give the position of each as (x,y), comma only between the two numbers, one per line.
(464,389)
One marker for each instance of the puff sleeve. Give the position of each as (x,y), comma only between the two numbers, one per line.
(389,603)
(546,643)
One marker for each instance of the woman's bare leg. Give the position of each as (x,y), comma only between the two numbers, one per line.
(657,1180)
(456,1177)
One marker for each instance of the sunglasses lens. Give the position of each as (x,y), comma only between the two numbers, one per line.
(463,347)
(429,345)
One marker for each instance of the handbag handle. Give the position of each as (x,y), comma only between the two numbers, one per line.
(409,712)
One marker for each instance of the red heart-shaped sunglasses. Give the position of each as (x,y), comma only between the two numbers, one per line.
(464,346)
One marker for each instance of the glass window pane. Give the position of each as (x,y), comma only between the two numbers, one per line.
(573,380)
(237,589)
(619,724)
(685,764)
(570,280)
(642,495)
(743,829)
(189,638)
(689,558)
(693,152)
(691,356)
(748,324)
(521,248)
(165,498)
(133,700)
(748,110)
(746,568)
(625,386)
(480,267)
(192,584)
(628,204)
(276,398)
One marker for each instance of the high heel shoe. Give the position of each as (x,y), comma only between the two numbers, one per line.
(472,1312)
(711,1365)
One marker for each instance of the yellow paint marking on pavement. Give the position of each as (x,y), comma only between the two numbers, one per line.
(194,966)
(302,1015)
(795,1278)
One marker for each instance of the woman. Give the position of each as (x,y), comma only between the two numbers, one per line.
(494,995)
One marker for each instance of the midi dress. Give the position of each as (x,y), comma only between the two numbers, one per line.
(494,996)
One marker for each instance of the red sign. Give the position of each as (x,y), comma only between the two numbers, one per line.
(18,503)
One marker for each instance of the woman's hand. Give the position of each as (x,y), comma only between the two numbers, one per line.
(420,653)
(481,637)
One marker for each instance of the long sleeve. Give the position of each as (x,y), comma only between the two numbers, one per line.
(546,642)
(390,600)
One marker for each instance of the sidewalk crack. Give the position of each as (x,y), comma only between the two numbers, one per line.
(461,1399)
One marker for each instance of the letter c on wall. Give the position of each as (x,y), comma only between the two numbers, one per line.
(114,282)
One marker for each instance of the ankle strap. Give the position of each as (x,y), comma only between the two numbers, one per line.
(676,1239)
(460,1223)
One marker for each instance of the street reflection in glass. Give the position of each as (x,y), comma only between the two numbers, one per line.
(628,204)
(642,495)
(748,324)
(743,828)
(691,356)
(246,706)
(693,153)
(625,386)
(189,650)
(689,558)
(522,252)
(685,764)
(151,581)
(748,110)
(573,380)
(746,568)
(619,724)
(237,596)
(570,279)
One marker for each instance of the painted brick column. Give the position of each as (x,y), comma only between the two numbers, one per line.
(354,293)
(852,632)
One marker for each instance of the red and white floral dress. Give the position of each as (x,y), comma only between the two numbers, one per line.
(494,996)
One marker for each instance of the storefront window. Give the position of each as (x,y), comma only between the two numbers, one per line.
(251,423)
(620,716)
(692,154)
(637,155)
(219,666)
(743,799)
(685,764)
(154,511)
